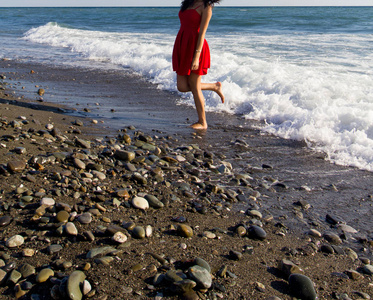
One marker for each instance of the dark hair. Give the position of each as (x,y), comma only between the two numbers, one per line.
(187,3)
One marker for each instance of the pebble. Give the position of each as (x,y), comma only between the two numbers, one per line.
(201,276)
(138,232)
(254,213)
(2,276)
(71,229)
(79,164)
(44,275)
(100,251)
(15,241)
(62,216)
(28,252)
(202,263)
(54,248)
(26,270)
(106,260)
(288,267)
(368,269)
(85,218)
(302,287)
(314,233)
(140,203)
(86,287)
(5,221)
(126,156)
(185,231)
(16,166)
(154,202)
(332,238)
(119,237)
(13,277)
(256,232)
(47,201)
(74,282)
(347,228)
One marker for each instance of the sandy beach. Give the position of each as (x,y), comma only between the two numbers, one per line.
(123,176)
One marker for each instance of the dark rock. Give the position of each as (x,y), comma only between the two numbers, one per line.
(301,287)
(256,232)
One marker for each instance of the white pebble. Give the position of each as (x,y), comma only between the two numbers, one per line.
(119,237)
(140,203)
(47,202)
(15,241)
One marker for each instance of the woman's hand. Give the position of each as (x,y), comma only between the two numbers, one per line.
(195,62)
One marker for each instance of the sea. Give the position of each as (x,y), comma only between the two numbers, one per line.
(306,73)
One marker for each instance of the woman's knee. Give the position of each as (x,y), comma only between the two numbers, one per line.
(183,87)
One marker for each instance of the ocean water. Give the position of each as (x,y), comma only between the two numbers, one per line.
(307,72)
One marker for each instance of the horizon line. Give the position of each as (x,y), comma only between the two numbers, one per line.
(151,6)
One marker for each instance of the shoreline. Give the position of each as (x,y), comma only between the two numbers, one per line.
(278,184)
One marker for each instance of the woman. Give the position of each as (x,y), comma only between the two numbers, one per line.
(191,54)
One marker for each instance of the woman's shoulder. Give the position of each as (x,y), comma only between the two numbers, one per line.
(205,9)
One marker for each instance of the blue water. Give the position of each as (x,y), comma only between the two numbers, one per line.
(307,72)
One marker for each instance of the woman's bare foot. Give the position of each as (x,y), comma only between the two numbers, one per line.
(198,126)
(219,91)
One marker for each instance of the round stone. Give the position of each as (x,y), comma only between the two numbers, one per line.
(332,238)
(125,155)
(79,164)
(54,248)
(85,218)
(201,276)
(16,166)
(15,241)
(148,231)
(5,220)
(28,252)
(44,275)
(62,216)
(86,287)
(368,269)
(347,228)
(254,213)
(74,282)
(256,232)
(301,287)
(106,260)
(99,175)
(140,203)
(185,230)
(26,270)
(100,251)
(210,235)
(119,237)
(138,232)
(314,233)
(47,202)
(241,231)
(202,263)
(154,202)
(71,229)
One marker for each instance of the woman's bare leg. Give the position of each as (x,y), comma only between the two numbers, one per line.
(183,86)
(194,81)
(215,87)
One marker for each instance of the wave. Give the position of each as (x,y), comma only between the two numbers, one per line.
(312,87)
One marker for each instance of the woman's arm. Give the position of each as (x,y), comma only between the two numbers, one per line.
(205,20)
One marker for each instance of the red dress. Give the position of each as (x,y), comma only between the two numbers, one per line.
(185,45)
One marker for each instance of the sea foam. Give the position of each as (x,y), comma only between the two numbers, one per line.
(312,87)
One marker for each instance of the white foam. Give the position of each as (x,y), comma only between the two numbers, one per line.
(312,87)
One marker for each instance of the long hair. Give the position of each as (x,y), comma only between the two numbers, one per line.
(187,3)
